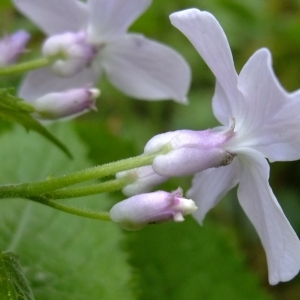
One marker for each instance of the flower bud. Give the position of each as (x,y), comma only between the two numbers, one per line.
(70,103)
(138,211)
(145,179)
(70,51)
(188,152)
(12,46)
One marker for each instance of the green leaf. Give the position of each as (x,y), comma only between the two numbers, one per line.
(13,284)
(7,291)
(186,261)
(14,109)
(65,256)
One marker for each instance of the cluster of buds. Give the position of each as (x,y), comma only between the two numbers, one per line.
(180,153)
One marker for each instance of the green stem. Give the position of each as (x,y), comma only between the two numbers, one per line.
(101,215)
(25,66)
(26,190)
(105,187)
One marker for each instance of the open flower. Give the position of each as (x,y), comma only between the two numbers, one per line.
(267,125)
(139,67)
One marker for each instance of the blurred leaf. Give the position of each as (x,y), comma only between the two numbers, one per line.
(186,261)
(7,290)
(16,110)
(64,256)
(5,4)
(198,115)
(104,144)
(13,284)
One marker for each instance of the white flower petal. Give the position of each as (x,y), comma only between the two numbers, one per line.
(111,18)
(220,105)
(146,180)
(159,141)
(209,39)
(279,240)
(146,69)
(40,82)
(210,186)
(271,119)
(55,16)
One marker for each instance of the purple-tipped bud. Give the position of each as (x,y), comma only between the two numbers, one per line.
(12,46)
(145,179)
(70,52)
(188,152)
(138,211)
(70,103)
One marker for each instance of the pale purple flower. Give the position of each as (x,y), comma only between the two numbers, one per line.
(267,125)
(144,180)
(138,211)
(67,104)
(186,152)
(138,66)
(11,46)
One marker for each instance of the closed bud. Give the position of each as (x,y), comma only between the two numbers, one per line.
(138,211)
(12,46)
(144,180)
(70,52)
(70,103)
(187,152)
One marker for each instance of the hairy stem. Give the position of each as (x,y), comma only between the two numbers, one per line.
(99,215)
(108,186)
(26,190)
(25,66)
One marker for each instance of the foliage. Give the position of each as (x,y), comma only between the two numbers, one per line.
(13,284)
(65,257)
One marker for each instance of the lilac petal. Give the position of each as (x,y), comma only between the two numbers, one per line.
(210,186)
(55,16)
(279,240)
(40,82)
(110,19)
(145,69)
(11,46)
(271,114)
(209,39)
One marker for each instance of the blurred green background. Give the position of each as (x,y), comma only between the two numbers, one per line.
(223,259)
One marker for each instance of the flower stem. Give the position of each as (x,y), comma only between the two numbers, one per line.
(26,190)
(25,66)
(101,215)
(108,186)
